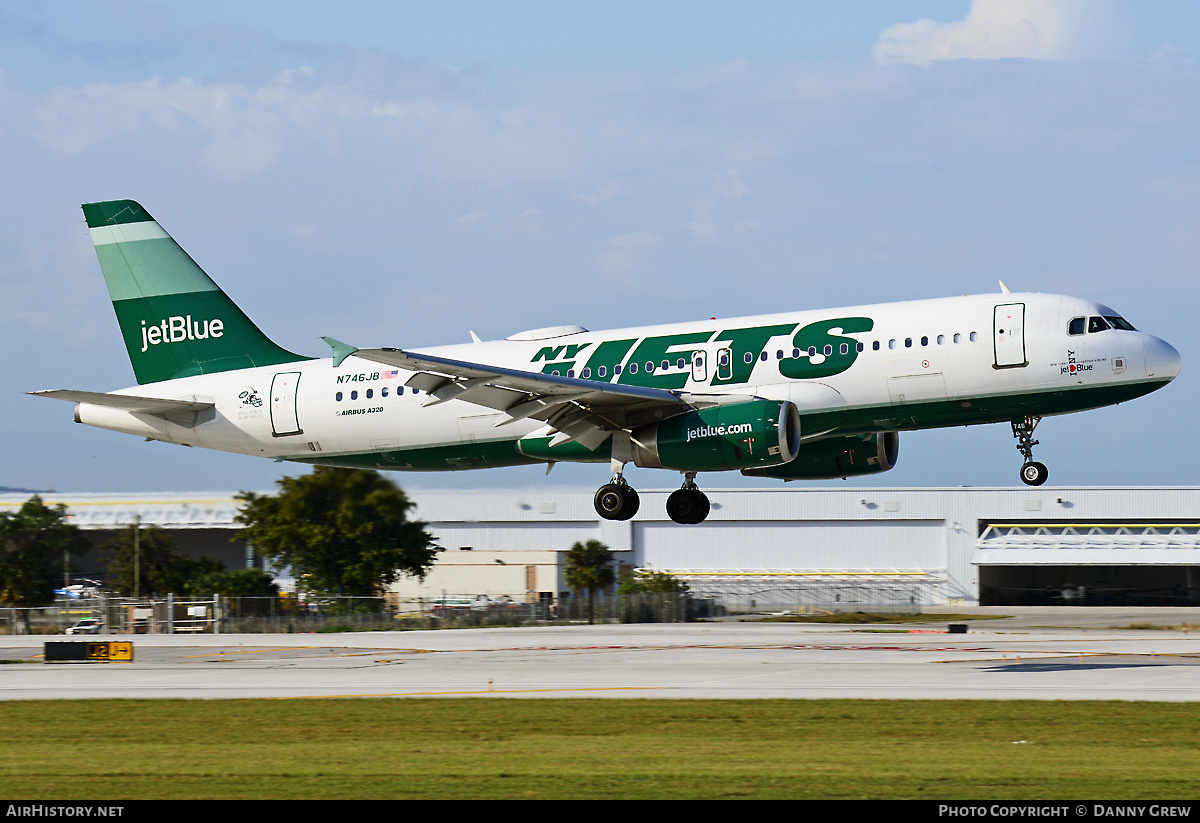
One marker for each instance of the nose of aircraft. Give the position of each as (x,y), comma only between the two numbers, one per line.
(1162,360)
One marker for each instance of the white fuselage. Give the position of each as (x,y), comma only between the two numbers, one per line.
(918,364)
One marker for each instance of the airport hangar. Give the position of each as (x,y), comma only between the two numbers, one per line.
(871,548)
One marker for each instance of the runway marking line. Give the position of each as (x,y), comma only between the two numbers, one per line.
(479,691)
(1038,656)
(256,650)
(260,650)
(592,649)
(763,646)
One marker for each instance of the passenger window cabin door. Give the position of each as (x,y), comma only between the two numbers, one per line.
(1008,336)
(725,364)
(699,367)
(284,420)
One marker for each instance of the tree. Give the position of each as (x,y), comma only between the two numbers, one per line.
(33,544)
(645,597)
(344,531)
(143,562)
(240,583)
(588,569)
(649,581)
(251,592)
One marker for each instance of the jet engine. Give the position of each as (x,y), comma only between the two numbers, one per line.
(837,457)
(756,433)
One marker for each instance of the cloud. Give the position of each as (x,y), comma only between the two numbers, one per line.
(625,251)
(243,124)
(1000,29)
(605,191)
(728,185)
(242,128)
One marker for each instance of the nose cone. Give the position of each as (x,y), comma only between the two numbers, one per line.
(1162,361)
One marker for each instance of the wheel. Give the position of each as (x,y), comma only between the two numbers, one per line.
(687,506)
(632,503)
(1034,474)
(615,501)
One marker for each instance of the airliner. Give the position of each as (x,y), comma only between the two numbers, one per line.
(796,395)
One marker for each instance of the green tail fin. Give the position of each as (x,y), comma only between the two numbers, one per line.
(175,320)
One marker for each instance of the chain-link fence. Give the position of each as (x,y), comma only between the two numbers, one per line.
(878,597)
(284,615)
(112,615)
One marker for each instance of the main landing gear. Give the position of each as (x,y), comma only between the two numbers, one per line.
(618,500)
(688,505)
(1032,472)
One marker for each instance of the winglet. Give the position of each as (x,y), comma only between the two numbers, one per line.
(1004,288)
(340,350)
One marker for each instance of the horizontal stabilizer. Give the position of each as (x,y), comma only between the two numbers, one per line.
(128,402)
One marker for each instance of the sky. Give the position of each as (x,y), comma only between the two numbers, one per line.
(404,173)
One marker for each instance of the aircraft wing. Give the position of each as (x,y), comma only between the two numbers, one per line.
(128,402)
(587,411)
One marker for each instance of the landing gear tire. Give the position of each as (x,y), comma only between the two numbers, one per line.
(1034,473)
(617,501)
(687,506)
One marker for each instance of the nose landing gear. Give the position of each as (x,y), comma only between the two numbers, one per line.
(1033,473)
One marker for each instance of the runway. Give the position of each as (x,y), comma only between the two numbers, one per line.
(1042,654)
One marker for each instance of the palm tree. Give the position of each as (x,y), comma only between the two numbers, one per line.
(588,568)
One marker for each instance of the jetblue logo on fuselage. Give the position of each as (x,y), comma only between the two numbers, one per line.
(718,431)
(177,329)
(1071,367)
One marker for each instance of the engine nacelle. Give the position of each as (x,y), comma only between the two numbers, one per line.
(838,457)
(757,433)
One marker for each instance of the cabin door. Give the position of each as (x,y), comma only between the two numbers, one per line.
(1008,335)
(283,404)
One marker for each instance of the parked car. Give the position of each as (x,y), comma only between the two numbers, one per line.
(478,603)
(89,625)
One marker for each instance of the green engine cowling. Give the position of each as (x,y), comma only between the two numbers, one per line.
(837,457)
(754,434)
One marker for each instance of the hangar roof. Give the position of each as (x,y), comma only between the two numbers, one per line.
(1071,544)
(198,510)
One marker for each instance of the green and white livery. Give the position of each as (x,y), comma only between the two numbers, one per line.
(175,320)
(792,395)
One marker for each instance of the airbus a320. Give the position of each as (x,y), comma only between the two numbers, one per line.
(812,394)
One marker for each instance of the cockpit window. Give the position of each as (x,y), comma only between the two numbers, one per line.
(1119,323)
(1078,325)
(1096,324)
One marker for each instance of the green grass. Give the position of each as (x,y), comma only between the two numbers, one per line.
(1165,627)
(871,617)
(646,749)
